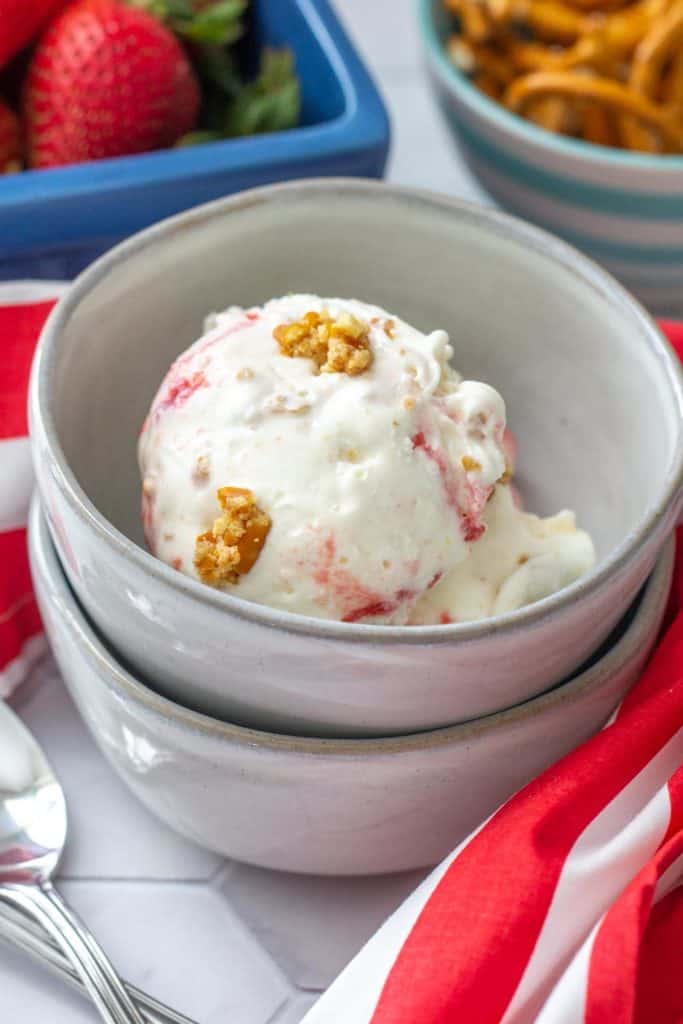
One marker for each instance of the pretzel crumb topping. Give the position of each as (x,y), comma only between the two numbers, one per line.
(335,344)
(231,547)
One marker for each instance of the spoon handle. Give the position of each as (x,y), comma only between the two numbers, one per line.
(21,931)
(99,977)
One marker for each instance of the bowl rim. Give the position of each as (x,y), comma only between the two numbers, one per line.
(488,109)
(50,578)
(43,428)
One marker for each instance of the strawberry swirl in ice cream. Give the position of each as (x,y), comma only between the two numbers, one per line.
(321,456)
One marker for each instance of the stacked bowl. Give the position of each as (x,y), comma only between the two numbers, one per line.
(333,747)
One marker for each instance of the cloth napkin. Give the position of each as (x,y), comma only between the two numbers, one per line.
(24,307)
(564,907)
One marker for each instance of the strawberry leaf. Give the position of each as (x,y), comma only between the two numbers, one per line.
(217,21)
(165,10)
(230,107)
(271,102)
(218,70)
(199,138)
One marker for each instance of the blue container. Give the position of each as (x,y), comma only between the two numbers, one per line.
(54,222)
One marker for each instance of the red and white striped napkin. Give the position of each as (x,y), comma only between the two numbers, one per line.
(24,307)
(565,907)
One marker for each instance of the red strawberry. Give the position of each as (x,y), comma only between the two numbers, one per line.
(21,21)
(10,140)
(106,80)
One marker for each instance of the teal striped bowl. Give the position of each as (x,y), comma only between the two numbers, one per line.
(623,209)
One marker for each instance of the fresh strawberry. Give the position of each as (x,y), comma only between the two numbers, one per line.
(10,140)
(106,79)
(21,21)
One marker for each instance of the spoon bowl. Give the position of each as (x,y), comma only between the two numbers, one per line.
(33,832)
(33,816)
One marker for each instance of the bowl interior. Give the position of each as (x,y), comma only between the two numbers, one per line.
(590,387)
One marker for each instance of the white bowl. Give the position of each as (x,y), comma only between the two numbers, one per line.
(316,805)
(593,393)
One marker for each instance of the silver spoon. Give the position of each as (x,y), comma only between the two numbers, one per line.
(33,828)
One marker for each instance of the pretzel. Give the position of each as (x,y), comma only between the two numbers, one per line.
(552,113)
(604,91)
(471,57)
(609,71)
(672,86)
(650,57)
(599,125)
(474,16)
(597,5)
(549,20)
(661,43)
(528,56)
(475,20)
(487,85)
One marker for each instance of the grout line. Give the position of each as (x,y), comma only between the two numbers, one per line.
(126,880)
(282,1009)
(250,934)
(221,874)
(227,908)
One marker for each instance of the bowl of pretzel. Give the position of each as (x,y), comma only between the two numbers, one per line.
(570,114)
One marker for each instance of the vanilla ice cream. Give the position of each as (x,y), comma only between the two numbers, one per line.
(321,456)
(518,560)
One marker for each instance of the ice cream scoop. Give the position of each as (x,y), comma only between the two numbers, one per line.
(322,456)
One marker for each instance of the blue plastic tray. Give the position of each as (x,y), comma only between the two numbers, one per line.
(55,222)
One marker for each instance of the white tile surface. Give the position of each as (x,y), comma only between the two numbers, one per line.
(30,995)
(423,152)
(313,926)
(183,943)
(240,948)
(295,1010)
(384,32)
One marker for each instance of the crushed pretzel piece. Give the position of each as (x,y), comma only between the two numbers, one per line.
(230,548)
(336,345)
(387,325)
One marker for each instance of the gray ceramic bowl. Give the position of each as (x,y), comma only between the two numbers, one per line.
(325,806)
(593,393)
